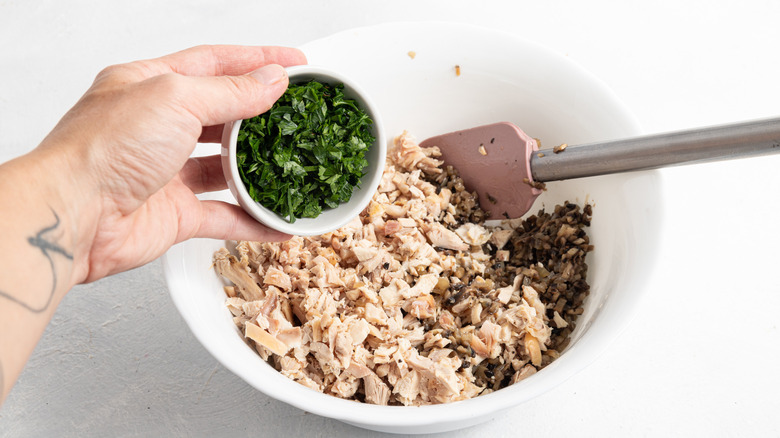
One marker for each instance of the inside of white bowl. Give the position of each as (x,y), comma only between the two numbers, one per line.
(501,78)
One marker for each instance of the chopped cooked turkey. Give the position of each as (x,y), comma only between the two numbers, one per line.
(415,301)
(441,237)
(408,155)
(473,234)
(376,390)
(276,277)
(500,237)
(229,267)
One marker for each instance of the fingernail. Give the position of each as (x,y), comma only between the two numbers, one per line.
(270,74)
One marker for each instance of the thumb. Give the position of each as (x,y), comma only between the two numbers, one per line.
(218,99)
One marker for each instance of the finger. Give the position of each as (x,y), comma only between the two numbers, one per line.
(219,99)
(204,61)
(211,134)
(224,221)
(228,60)
(203,174)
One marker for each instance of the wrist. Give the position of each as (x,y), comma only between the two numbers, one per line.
(65,184)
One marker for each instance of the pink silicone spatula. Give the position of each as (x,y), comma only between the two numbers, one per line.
(503,164)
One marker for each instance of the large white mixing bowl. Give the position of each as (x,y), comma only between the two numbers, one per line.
(502,78)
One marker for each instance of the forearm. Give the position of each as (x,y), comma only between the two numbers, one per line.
(39,259)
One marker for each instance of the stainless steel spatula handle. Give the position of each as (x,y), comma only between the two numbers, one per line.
(715,143)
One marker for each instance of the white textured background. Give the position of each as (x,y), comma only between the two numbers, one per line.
(700,359)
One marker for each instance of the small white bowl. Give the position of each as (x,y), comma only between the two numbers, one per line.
(331,218)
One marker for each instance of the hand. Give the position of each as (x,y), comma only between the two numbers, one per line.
(130,137)
(112,186)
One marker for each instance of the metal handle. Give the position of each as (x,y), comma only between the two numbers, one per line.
(715,143)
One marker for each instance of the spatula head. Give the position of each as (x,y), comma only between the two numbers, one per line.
(493,160)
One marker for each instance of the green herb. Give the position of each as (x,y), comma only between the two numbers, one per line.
(307,152)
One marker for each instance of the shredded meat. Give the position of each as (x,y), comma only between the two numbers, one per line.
(416,301)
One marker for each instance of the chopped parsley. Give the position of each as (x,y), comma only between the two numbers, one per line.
(307,152)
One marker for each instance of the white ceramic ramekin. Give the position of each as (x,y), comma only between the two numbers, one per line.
(331,218)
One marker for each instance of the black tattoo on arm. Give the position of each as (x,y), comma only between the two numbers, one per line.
(48,248)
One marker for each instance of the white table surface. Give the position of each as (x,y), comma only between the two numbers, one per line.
(700,359)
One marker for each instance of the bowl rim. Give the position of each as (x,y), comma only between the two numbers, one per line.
(335,217)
